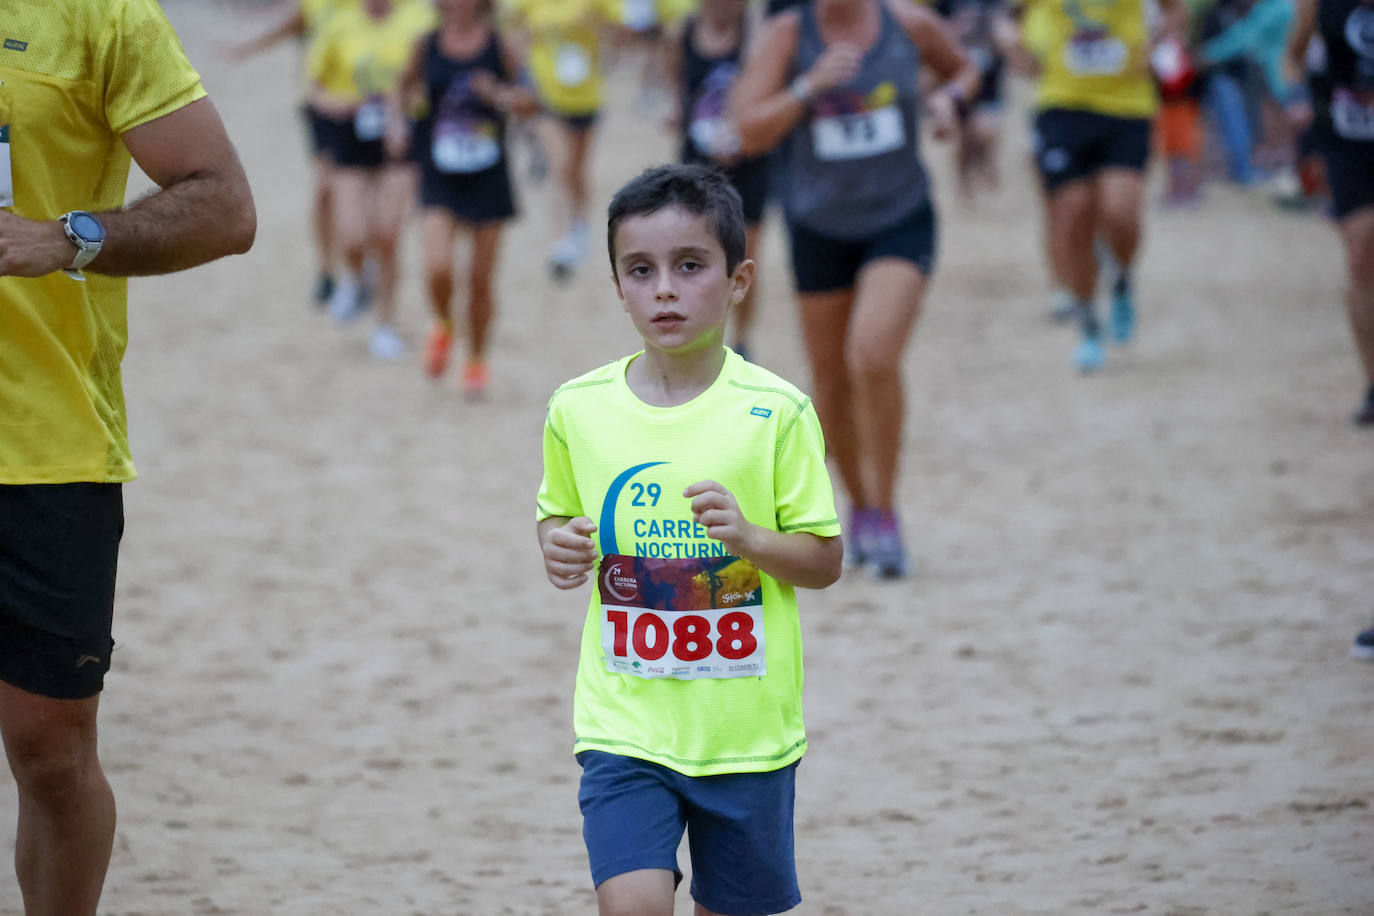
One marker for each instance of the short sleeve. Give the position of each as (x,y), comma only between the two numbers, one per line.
(558,490)
(611,11)
(802,491)
(147,74)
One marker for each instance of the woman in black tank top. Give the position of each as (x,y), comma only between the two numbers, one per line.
(463,75)
(702,61)
(1347,29)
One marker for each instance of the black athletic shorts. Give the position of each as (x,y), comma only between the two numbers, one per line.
(823,264)
(317,129)
(750,178)
(475,197)
(1071,144)
(1349,174)
(59,547)
(346,150)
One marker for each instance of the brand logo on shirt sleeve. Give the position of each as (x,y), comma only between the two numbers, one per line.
(14,44)
(762,412)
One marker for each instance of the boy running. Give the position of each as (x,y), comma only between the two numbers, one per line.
(694,484)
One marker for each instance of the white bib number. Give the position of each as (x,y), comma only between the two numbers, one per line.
(714,137)
(682,619)
(6,176)
(1095,56)
(1352,116)
(858,136)
(464,151)
(572,65)
(369,123)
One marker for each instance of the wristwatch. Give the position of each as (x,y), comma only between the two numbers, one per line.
(87,234)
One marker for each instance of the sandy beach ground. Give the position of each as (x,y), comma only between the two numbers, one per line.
(1118,683)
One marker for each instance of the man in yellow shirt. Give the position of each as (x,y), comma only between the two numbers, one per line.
(84,85)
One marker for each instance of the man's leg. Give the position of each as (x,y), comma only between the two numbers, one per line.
(66,807)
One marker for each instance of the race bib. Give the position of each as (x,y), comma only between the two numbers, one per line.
(684,619)
(369,123)
(572,65)
(1352,115)
(714,137)
(641,14)
(858,136)
(1095,55)
(458,150)
(6,176)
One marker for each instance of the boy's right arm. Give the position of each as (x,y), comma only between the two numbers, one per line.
(569,551)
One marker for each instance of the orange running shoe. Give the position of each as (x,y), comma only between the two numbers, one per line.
(436,350)
(475,379)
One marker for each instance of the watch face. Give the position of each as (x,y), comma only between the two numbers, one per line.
(87,227)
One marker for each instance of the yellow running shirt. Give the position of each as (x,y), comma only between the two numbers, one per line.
(565,50)
(74,76)
(1094,56)
(356,57)
(317,14)
(690,658)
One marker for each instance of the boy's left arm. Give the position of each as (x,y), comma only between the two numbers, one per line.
(797,558)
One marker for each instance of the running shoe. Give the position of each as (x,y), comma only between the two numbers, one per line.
(885,550)
(437,348)
(568,253)
(324,290)
(1363,646)
(1089,355)
(1365,415)
(475,379)
(346,305)
(856,537)
(386,344)
(1123,314)
(1063,310)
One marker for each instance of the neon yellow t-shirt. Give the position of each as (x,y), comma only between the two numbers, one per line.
(317,14)
(1094,55)
(690,658)
(357,57)
(74,76)
(565,50)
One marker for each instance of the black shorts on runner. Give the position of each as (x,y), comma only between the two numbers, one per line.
(1349,174)
(749,178)
(1071,144)
(59,547)
(318,131)
(579,122)
(822,264)
(346,150)
(475,197)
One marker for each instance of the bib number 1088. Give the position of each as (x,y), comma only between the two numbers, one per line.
(690,638)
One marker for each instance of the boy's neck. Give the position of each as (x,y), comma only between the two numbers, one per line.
(667,380)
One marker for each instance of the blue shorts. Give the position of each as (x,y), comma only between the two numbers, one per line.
(739,829)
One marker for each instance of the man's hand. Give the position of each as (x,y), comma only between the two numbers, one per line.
(32,248)
(716,508)
(838,64)
(569,552)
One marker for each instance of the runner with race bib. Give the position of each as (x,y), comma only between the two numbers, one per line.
(464,75)
(702,62)
(835,81)
(1346,28)
(1095,103)
(691,486)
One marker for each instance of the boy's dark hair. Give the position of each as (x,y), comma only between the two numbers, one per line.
(699,189)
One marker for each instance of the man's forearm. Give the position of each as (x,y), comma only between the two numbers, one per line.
(199,218)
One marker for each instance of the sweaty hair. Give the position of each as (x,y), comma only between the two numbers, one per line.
(699,189)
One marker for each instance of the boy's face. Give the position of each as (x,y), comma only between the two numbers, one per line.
(672,280)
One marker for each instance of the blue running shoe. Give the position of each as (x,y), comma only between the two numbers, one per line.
(886,552)
(1089,356)
(1363,646)
(1123,316)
